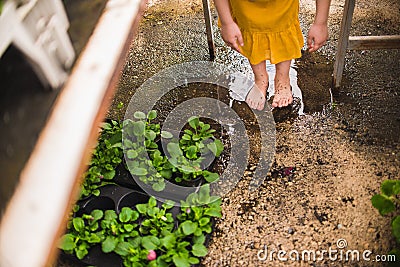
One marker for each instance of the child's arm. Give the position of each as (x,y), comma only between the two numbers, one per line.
(318,33)
(230,31)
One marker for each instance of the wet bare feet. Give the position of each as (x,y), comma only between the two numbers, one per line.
(283,94)
(256,97)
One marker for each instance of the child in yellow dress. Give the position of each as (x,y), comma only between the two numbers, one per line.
(270,30)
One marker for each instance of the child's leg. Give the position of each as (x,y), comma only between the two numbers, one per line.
(283,93)
(256,97)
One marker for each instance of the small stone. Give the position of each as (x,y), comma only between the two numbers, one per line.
(291,231)
(339,226)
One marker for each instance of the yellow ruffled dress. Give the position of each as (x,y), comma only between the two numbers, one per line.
(270,29)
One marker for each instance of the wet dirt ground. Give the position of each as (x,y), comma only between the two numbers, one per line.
(337,153)
(340,155)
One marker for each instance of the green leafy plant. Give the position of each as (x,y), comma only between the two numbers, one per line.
(155,220)
(118,228)
(83,233)
(148,235)
(140,143)
(198,211)
(134,252)
(176,251)
(188,169)
(199,139)
(186,244)
(387,202)
(106,156)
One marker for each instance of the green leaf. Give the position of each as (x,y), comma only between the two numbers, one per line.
(93,238)
(216,147)
(193,260)
(204,221)
(383,204)
(199,250)
(168,204)
(213,212)
(138,128)
(152,114)
(139,115)
(166,173)
(152,202)
(78,223)
(142,208)
(168,241)
(96,192)
(131,154)
(67,242)
(110,215)
(390,187)
(97,214)
(128,227)
(188,227)
(126,214)
(123,248)
(186,137)
(150,135)
(138,171)
(180,261)
(106,126)
(204,194)
(174,150)
(396,228)
(191,152)
(158,187)
(109,175)
(166,134)
(109,244)
(199,239)
(210,176)
(194,122)
(81,253)
(150,242)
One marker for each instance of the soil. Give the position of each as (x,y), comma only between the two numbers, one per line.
(328,162)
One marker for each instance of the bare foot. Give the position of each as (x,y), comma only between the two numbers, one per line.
(283,95)
(256,97)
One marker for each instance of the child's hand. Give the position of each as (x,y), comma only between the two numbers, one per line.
(232,35)
(317,36)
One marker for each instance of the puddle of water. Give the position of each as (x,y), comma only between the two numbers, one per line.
(240,86)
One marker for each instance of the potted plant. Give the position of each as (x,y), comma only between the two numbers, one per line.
(199,139)
(188,170)
(106,156)
(143,159)
(83,233)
